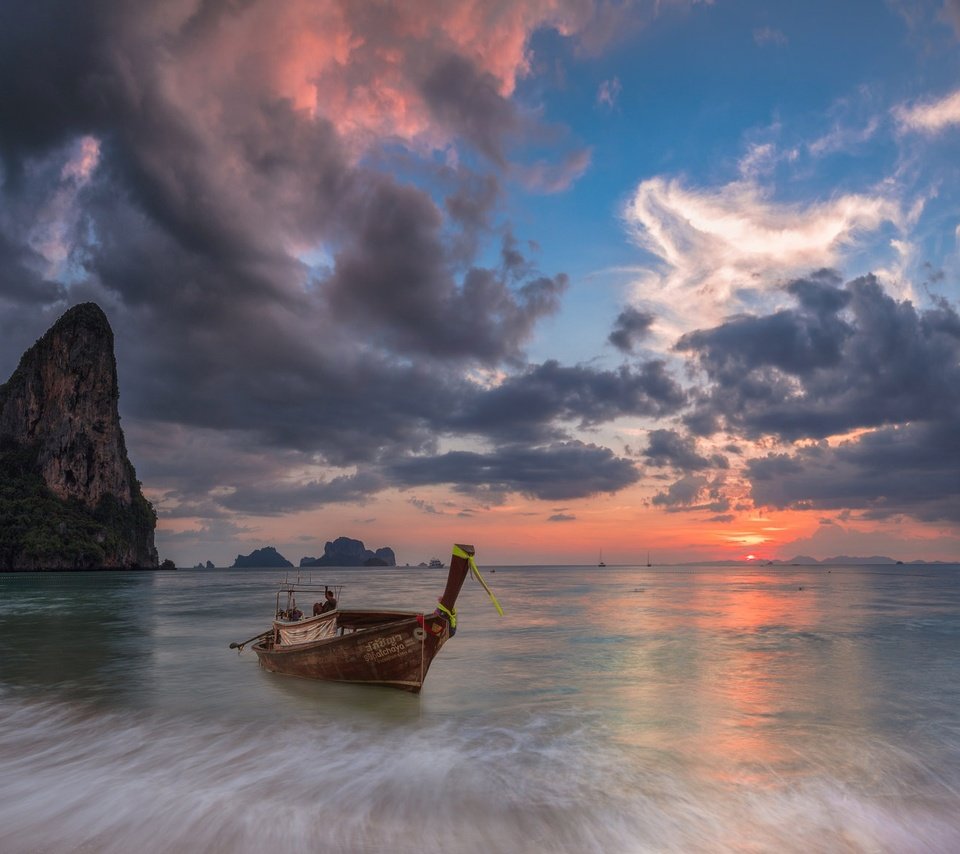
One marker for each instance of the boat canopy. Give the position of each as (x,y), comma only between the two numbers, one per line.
(305,631)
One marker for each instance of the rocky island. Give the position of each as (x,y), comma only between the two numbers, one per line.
(69,496)
(267,557)
(344,551)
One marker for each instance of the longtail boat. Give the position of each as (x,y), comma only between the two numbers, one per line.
(389,648)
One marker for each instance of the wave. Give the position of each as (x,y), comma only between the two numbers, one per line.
(78,779)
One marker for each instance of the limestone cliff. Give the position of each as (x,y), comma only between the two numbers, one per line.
(69,497)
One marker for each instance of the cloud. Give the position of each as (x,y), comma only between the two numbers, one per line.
(669,448)
(467,100)
(560,471)
(846,358)
(929,117)
(764,36)
(693,493)
(186,165)
(549,177)
(719,248)
(910,469)
(534,404)
(868,383)
(844,139)
(208,471)
(276,499)
(630,326)
(52,233)
(951,14)
(394,279)
(422,75)
(561,517)
(424,506)
(22,285)
(608,92)
(290,214)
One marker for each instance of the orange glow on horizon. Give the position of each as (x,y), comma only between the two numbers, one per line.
(623,527)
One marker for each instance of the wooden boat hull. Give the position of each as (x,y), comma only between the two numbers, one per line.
(389,648)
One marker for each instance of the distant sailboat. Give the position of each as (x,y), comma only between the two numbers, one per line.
(648,559)
(601,559)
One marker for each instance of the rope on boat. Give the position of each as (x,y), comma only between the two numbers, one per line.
(451,614)
(458,552)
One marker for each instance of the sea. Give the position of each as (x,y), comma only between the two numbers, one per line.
(618,709)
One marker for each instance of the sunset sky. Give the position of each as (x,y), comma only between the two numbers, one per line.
(547,277)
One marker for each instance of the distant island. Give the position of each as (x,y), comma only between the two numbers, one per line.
(847,560)
(838,560)
(344,551)
(266,557)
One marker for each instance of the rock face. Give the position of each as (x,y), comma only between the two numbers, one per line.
(265,557)
(69,497)
(346,552)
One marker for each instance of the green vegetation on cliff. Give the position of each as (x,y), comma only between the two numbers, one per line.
(41,531)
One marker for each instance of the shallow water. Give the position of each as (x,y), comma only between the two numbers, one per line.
(624,709)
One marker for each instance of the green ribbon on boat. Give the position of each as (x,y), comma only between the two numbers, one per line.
(458,552)
(451,615)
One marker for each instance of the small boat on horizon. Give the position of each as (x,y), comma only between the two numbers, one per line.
(368,647)
(601,563)
(435,563)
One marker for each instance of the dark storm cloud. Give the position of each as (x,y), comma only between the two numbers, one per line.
(470,205)
(225,337)
(560,471)
(816,371)
(630,327)
(820,293)
(394,277)
(467,101)
(790,343)
(275,499)
(19,281)
(848,358)
(56,77)
(693,493)
(280,300)
(669,448)
(530,405)
(912,470)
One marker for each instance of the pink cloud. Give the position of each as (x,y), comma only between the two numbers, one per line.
(52,232)
(361,66)
(544,177)
(930,117)
(608,92)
